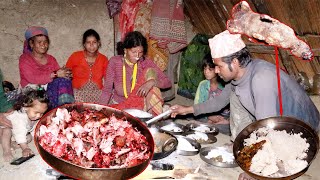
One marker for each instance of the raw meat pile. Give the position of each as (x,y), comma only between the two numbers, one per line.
(282,154)
(93,140)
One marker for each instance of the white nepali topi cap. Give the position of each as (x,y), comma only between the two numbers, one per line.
(225,44)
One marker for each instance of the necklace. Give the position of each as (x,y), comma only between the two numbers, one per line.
(128,62)
(124,78)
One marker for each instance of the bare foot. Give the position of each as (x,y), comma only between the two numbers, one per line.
(7,156)
(245,176)
(217,119)
(14,145)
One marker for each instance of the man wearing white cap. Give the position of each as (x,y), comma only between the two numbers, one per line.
(252,91)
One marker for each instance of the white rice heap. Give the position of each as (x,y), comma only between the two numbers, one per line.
(198,136)
(185,145)
(281,150)
(171,127)
(201,128)
(226,156)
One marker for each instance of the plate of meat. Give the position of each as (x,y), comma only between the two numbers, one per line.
(91,141)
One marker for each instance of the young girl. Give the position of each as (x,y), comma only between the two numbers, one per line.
(208,89)
(27,110)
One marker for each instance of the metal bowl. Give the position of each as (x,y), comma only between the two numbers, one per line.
(165,143)
(288,124)
(79,172)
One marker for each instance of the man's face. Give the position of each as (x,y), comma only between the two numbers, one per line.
(223,70)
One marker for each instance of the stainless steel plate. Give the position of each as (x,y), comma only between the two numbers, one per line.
(201,128)
(193,143)
(211,138)
(204,152)
(173,126)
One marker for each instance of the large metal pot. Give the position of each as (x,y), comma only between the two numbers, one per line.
(288,124)
(79,172)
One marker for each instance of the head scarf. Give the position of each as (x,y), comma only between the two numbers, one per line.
(31,32)
(225,44)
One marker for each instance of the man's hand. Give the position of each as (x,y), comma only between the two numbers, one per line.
(181,110)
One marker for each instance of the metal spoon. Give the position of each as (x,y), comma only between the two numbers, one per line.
(158,117)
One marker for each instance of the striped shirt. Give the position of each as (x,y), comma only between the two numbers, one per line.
(113,82)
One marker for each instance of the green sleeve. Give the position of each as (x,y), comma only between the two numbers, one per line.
(4,104)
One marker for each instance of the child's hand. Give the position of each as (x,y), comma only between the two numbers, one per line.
(27,152)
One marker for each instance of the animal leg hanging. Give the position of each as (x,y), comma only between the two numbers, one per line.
(265,29)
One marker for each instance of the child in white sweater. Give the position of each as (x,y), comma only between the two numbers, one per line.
(29,108)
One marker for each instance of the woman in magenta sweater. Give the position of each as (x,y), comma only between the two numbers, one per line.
(37,68)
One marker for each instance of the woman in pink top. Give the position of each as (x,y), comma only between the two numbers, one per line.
(37,68)
(133,81)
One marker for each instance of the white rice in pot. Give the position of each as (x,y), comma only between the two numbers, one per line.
(282,155)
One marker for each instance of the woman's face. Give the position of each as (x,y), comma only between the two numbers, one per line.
(134,54)
(92,44)
(209,73)
(39,44)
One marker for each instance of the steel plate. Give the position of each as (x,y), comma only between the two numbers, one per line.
(204,152)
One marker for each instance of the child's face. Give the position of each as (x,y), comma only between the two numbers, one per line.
(36,111)
(209,73)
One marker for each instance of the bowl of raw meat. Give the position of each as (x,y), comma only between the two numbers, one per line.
(276,148)
(91,141)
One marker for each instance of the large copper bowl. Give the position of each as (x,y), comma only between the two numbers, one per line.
(79,172)
(289,124)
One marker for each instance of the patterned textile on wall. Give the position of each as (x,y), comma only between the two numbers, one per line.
(129,9)
(167,24)
(158,55)
(142,24)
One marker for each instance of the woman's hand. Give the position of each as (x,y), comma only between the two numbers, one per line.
(181,110)
(146,87)
(64,73)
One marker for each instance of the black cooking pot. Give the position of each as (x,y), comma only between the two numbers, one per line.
(79,172)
